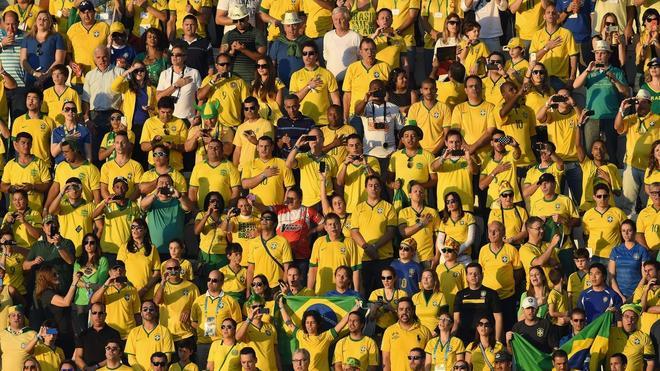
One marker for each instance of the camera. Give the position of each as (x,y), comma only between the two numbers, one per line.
(322,166)
(590,113)
(357,157)
(264,311)
(559,98)
(54,230)
(308,138)
(117,197)
(225,75)
(234,211)
(457,152)
(380,93)
(379,125)
(599,65)
(166,191)
(121,279)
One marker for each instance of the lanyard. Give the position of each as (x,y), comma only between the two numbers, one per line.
(26,13)
(217,306)
(444,347)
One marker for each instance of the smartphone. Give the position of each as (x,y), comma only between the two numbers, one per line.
(492,66)
(380,93)
(599,65)
(559,98)
(121,279)
(123,120)
(117,197)
(357,157)
(504,140)
(532,57)
(322,166)
(51,331)
(54,230)
(309,138)
(457,152)
(612,28)
(590,113)
(234,211)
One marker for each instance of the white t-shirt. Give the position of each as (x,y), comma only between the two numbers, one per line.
(340,52)
(379,122)
(487,14)
(184,107)
(251,5)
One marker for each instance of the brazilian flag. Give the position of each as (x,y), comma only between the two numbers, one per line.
(331,308)
(586,350)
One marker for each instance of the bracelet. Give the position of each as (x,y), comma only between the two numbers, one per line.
(295,148)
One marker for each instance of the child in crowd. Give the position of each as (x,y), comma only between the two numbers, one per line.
(184,351)
(578,280)
(408,271)
(558,299)
(234,285)
(177,249)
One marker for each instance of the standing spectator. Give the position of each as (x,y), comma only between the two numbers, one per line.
(646,294)
(536,252)
(411,165)
(113,355)
(445,349)
(599,297)
(632,342)
(468,311)
(286,50)
(267,177)
(458,167)
(432,116)
(151,337)
(540,332)
(430,302)
(155,42)
(456,228)
(166,129)
(292,126)
(53,250)
(83,37)
(181,82)
(270,255)
(39,126)
(341,45)
(353,172)
(120,166)
(229,90)
(487,14)
(500,167)
(178,10)
(356,346)
(248,134)
(93,342)
(606,85)
(626,259)
(73,132)
(24,223)
(143,259)
(517,121)
(648,222)
(343,279)
(315,86)
(603,225)
(359,74)
(245,44)
(120,299)
(407,333)
(512,216)
(18,341)
(272,13)
(259,335)
(212,227)
(480,353)
(41,50)
(12,272)
(175,297)
(11,38)
(417,359)
(552,45)
(268,89)
(224,6)
(94,268)
(633,117)
(222,350)
(419,221)
(216,174)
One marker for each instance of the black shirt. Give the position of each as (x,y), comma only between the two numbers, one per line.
(61,315)
(294,128)
(472,305)
(543,335)
(199,54)
(93,343)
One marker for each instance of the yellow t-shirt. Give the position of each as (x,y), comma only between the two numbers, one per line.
(191,366)
(224,134)
(648,223)
(560,302)
(452,280)
(457,230)
(143,20)
(278,248)
(424,237)
(533,175)
(396,339)
(55,8)
(427,310)
(436,13)
(117,225)
(49,359)
(316,102)
(27,17)
(230,93)
(309,176)
(223,178)
(417,167)
(456,177)
(506,176)
(474,54)
(562,132)
(491,91)
(372,222)
(635,347)
(389,49)
(121,307)
(556,60)
(40,129)
(450,92)
(209,313)
(431,121)
(14,272)
(318,347)
(261,127)
(180,7)
(560,204)
(577,282)
(473,121)
(88,174)
(178,179)
(132,171)
(652,299)
(21,236)
(270,191)
(520,123)
(499,267)
(53,102)
(225,357)
(444,354)
(139,267)
(604,230)
(213,239)
(477,357)
(640,132)
(319,19)
(358,77)
(365,350)
(186,269)
(521,67)
(82,43)
(328,255)
(400,13)
(385,318)
(177,297)
(355,191)
(529,18)
(234,281)
(590,178)
(13,353)
(528,252)
(263,340)
(174,132)
(76,221)
(141,344)
(513,219)
(329,135)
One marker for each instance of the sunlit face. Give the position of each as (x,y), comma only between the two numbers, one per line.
(550,15)
(405,311)
(535,277)
(373,188)
(101,58)
(165,114)
(342,278)
(333,227)
(354,323)
(264,149)
(293,277)
(560,363)
(87,17)
(495,233)
(627,232)
(473,88)
(629,319)
(368,51)
(32,102)
(428,282)
(384,19)
(43,22)
(354,146)
(19,201)
(244,206)
(311,325)
(214,150)
(10,24)
(228,329)
(596,277)
(189,27)
(410,139)
(616,364)
(309,56)
(338,205)
(340,20)
(262,67)
(535,230)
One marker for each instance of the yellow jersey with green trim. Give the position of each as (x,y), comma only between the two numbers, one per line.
(432,121)
(319,19)
(559,204)
(636,346)
(533,175)
(457,230)
(444,355)
(173,132)
(309,166)
(41,129)
(177,297)
(603,229)
(452,280)
(223,178)
(318,346)
(277,9)
(499,267)
(13,347)
(491,91)
(400,13)
(76,221)
(82,43)
(263,340)
(86,172)
(559,301)
(477,357)
(358,77)
(562,131)
(590,178)
(140,267)
(577,282)
(652,299)
(329,135)
(269,257)
(121,306)
(131,170)
(180,7)
(179,181)
(355,190)
(234,281)
(648,223)
(209,312)
(117,225)
(520,124)
(230,93)
(364,350)
(509,176)
(225,357)
(143,20)
(456,177)
(424,237)
(14,272)
(261,127)
(213,239)
(640,132)
(513,219)
(269,191)
(396,339)
(26,17)
(473,121)
(427,309)
(529,251)
(141,344)
(21,236)
(529,18)
(372,222)
(555,60)
(416,167)
(327,255)
(316,102)
(49,359)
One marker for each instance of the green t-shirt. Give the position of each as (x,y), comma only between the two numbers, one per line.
(165,220)
(94,277)
(602,96)
(655,97)
(52,257)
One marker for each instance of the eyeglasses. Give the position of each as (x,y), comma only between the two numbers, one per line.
(136,227)
(115,118)
(98,313)
(70,109)
(447,251)
(178,55)
(112,349)
(483,324)
(386,278)
(160,154)
(89,242)
(507,194)
(404,248)
(226,327)
(161,364)
(602,196)
(223,64)
(538,72)
(149,310)
(415,358)
(250,108)
(257,284)
(213,280)
(308,54)
(262,65)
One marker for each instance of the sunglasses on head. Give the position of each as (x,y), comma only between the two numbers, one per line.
(160,154)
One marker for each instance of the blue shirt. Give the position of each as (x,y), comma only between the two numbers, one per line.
(602,96)
(408,275)
(286,64)
(629,266)
(580,26)
(594,302)
(126,52)
(40,56)
(61,133)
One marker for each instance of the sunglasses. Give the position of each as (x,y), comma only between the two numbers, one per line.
(98,313)
(223,64)
(257,284)
(262,65)
(242,20)
(610,24)
(404,248)
(89,242)
(451,201)
(483,324)
(654,193)
(602,196)
(250,108)
(267,219)
(136,227)
(176,268)
(254,307)
(149,310)
(453,22)
(161,364)
(651,19)
(415,358)
(226,327)
(70,109)
(579,320)
(213,280)
(386,278)
(447,251)
(507,194)
(141,70)
(115,118)
(160,154)
(538,72)
(306,54)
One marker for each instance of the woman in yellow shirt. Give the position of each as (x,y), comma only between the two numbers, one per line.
(456,228)
(429,301)
(212,228)
(481,352)
(261,288)
(652,173)
(141,258)
(268,89)
(385,301)
(311,338)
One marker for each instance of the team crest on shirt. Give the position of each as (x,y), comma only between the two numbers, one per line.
(342,250)
(539,332)
(23,345)
(636,341)
(419,166)
(127,297)
(379,210)
(395,335)
(242,279)
(505,259)
(363,349)
(78,229)
(233,85)
(377,74)
(605,299)
(435,303)
(157,337)
(43,126)
(636,256)
(483,293)
(96,34)
(436,115)
(33,172)
(221,304)
(223,172)
(454,274)
(609,219)
(186,292)
(557,206)
(652,123)
(268,332)
(234,352)
(273,245)
(482,112)
(462,222)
